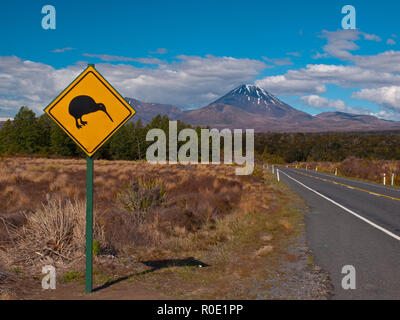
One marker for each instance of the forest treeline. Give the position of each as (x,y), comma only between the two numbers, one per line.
(31,135)
(292,147)
(28,134)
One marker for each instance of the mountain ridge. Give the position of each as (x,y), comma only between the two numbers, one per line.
(251,107)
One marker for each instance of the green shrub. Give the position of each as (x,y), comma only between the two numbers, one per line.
(96,247)
(140,196)
(71,276)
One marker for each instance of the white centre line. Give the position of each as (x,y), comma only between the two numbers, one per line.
(346,209)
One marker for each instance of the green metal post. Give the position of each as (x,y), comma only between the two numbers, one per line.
(89,224)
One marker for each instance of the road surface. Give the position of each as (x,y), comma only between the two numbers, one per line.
(352,223)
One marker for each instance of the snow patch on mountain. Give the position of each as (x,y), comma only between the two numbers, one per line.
(255,92)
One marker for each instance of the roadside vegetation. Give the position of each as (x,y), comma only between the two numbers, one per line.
(200,226)
(368,170)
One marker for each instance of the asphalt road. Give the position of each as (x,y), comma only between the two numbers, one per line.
(352,223)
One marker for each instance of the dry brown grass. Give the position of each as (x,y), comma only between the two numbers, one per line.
(196,196)
(232,222)
(52,234)
(369,170)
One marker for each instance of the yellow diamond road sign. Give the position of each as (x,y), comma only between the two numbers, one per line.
(90,110)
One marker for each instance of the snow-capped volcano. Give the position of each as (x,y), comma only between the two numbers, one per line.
(254,92)
(254,99)
(251,107)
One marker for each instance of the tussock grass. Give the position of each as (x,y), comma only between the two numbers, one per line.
(140,196)
(54,233)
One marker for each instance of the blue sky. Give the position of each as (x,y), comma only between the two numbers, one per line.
(188,53)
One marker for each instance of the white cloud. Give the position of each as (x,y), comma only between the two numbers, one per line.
(342,41)
(390,42)
(387,114)
(386,96)
(314,77)
(63,49)
(319,102)
(371,37)
(193,81)
(388,61)
(324,103)
(109,58)
(31,83)
(285,84)
(188,81)
(294,54)
(279,61)
(372,73)
(364,71)
(159,51)
(319,55)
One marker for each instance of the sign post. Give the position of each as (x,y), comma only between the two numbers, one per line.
(90,111)
(89,224)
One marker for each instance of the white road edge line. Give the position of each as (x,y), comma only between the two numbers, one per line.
(346,209)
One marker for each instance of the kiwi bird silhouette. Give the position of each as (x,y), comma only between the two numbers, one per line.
(81,105)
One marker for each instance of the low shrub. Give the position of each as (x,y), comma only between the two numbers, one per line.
(71,276)
(140,196)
